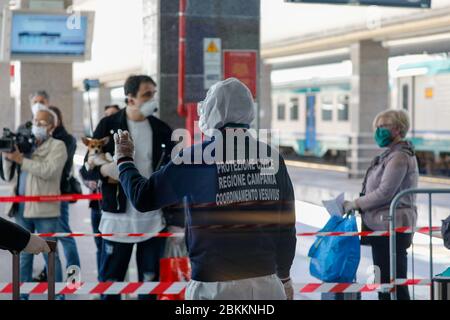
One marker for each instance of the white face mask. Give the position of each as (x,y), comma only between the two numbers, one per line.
(149,108)
(37,107)
(40,133)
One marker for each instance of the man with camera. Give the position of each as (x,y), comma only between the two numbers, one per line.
(69,185)
(36,171)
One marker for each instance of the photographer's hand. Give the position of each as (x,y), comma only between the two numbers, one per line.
(15,156)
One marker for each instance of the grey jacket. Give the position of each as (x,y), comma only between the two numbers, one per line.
(391,172)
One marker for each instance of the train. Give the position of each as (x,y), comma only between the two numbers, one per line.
(311,117)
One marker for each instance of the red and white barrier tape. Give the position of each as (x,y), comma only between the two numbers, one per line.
(51,198)
(175,235)
(98,196)
(107,288)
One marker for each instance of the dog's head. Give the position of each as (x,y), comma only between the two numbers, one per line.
(95,146)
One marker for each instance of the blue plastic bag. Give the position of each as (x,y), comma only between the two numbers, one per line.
(336,259)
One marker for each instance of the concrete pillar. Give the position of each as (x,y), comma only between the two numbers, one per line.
(236,22)
(56,79)
(78,129)
(6,103)
(265,96)
(104,99)
(369,96)
(150,22)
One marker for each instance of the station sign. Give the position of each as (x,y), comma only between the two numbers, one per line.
(390,3)
(212,60)
(243,65)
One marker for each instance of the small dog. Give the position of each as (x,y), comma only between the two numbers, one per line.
(96,156)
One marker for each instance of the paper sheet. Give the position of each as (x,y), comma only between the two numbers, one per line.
(335,206)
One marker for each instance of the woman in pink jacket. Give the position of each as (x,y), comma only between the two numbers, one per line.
(390,173)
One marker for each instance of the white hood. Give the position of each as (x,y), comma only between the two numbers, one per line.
(228,101)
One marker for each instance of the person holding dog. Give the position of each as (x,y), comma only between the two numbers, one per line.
(153,149)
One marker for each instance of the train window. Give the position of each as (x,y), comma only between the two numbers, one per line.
(294,109)
(327,109)
(343,107)
(405,97)
(281,111)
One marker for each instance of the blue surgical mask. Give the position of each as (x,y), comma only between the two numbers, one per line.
(383,137)
(40,133)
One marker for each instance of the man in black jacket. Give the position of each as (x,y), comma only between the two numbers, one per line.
(15,238)
(94,205)
(154,146)
(69,244)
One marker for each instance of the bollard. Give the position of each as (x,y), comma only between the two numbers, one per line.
(16,275)
(50,270)
(441,287)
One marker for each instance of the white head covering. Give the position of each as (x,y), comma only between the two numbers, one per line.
(228,101)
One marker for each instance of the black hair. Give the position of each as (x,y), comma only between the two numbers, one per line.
(115,106)
(40,93)
(133,84)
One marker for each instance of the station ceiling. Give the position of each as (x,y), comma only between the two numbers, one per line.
(286,30)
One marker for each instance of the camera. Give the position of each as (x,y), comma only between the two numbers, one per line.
(23,139)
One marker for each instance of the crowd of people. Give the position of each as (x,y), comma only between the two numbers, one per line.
(146,189)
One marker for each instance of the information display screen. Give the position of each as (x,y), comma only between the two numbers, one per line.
(48,34)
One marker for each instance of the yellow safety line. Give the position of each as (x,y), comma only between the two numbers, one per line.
(318,166)
(434,180)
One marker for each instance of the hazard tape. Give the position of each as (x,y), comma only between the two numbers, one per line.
(98,196)
(357,287)
(108,288)
(51,198)
(106,235)
(425,230)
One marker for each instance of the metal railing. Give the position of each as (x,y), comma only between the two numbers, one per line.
(393,235)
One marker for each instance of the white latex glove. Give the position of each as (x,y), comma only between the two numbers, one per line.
(36,245)
(289,289)
(123,145)
(349,206)
(110,170)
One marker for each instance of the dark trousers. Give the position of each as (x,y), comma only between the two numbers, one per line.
(96,216)
(381,258)
(116,257)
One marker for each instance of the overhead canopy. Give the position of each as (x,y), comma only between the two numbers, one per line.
(118,33)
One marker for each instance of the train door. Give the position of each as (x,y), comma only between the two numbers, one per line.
(310,139)
(406,101)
